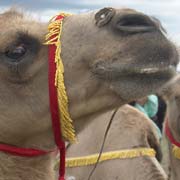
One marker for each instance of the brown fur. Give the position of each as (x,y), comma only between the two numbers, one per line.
(16,168)
(171,94)
(130,129)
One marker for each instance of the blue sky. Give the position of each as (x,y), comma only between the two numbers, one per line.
(168,11)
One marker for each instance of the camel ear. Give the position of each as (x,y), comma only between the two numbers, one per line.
(154,143)
(103,16)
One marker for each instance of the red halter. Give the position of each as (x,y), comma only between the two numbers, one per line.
(169,135)
(55,109)
(28,152)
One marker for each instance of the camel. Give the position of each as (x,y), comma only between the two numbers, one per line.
(130,129)
(110,56)
(171,94)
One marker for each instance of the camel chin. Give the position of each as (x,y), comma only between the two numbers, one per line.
(145,81)
(138,80)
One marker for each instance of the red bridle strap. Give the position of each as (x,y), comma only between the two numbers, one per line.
(27,152)
(55,108)
(169,135)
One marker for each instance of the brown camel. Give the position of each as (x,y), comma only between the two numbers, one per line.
(110,57)
(130,129)
(171,94)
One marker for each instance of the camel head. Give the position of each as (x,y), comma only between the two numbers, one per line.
(117,56)
(110,56)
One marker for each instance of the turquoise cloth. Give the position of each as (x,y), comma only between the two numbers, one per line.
(150,108)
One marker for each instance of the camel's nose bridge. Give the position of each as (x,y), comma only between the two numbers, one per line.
(159,25)
(135,23)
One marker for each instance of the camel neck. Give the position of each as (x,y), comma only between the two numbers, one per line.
(21,168)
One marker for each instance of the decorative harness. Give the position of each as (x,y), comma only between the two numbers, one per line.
(61,122)
(122,154)
(175,144)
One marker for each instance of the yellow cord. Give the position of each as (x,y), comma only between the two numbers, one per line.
(54,37)
(176,151)
(122,154)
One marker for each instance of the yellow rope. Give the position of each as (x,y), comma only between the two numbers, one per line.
(176,151)
(54,37)
(122,154)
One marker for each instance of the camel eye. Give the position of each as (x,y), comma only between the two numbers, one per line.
(15,53)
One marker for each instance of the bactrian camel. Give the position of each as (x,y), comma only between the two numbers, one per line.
(110,57)
(171,160)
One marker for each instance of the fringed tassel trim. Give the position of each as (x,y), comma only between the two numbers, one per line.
(176,151)
(122,154)
(54,37)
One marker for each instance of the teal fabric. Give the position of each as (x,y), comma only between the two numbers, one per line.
(139,107)
(150,108)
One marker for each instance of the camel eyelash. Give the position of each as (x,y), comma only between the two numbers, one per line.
(31,42)
(20,53)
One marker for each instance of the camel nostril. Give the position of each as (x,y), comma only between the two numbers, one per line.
(134,23)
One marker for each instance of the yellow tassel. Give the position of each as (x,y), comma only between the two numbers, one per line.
(176,151)
(121,154)
(55,31)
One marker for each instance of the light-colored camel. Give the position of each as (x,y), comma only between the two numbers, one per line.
(110,57)
(171,94)
(129,129)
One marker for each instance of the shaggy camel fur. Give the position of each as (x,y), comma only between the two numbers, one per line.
(171,94)
(129,129)
(110,57)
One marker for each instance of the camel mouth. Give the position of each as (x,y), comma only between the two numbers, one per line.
(154,70)
(114,73)
(140,81)
(160,73)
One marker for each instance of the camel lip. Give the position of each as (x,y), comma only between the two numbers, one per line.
(157,70)
(149,70)
(115,72)
(154,73)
